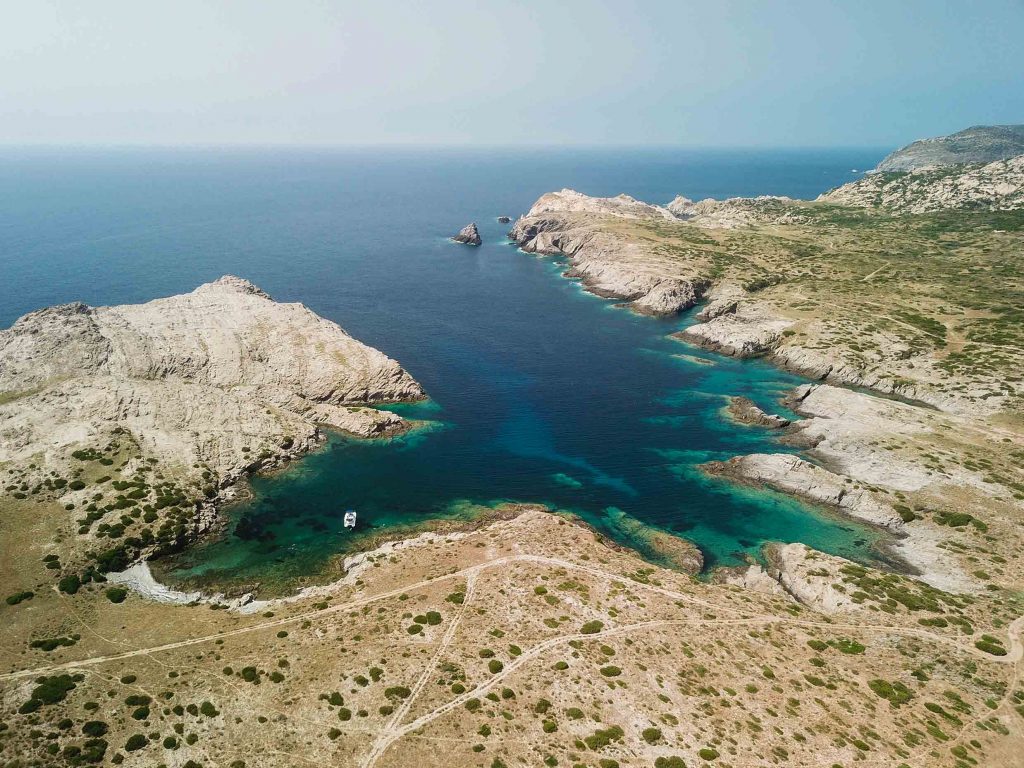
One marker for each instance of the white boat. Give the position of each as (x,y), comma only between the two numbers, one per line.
(350,519)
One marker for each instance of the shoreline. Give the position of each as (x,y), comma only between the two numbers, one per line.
(917,552)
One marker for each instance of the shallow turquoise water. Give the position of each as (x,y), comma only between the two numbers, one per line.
(540,392)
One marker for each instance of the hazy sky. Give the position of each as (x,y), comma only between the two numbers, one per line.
(698,73)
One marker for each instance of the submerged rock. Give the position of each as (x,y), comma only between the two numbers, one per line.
(468,235)
(743,410)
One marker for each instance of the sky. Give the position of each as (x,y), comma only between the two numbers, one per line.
(697,73)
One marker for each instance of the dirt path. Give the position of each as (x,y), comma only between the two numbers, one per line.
(1013,654)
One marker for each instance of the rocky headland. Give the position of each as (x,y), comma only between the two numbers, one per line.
(139,418)
(978,144)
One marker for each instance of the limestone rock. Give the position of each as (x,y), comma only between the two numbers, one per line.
(193,378)
(995,186)
(739,334)
(623,206)
(791,474)
(809,576)
(737,211)
(468,235)
(744,411)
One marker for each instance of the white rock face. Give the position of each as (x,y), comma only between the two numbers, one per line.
(791,474)
(808,577)
(609,266)
(193,378)
(624,206)
(737,211)
(743,332)
(996,186)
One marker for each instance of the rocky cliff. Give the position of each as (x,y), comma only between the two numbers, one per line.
(979,144)
(608,264)
(209,386)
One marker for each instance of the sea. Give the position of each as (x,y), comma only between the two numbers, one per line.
(539,392)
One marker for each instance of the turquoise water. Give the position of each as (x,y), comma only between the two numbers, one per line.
(540,391)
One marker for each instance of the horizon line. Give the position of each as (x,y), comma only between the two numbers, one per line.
(420,145)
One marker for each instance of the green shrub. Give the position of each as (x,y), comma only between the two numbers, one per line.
(433,618)
(70,584)
(116,594)
(50,690)
(592,627)
(651,735)
(495,666)
(136,742)
(611,671)
(397,692)
(19,597)
(989,644)
(456,597)
(549,726)
(208,709)
(895,693)
(95,728)
(848,646)
(707,753)
(603,737)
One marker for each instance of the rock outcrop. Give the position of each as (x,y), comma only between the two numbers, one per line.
(809,577)
(608,265)
(217,376)
(737,211)
(995,186)
(622,206)
(504,219)
(791,474)
(468,235)
(979,144)
(743,410)
(738,330)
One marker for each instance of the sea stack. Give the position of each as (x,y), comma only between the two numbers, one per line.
(504,220)
(468,235)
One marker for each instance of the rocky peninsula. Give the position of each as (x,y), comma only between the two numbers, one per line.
(139,419)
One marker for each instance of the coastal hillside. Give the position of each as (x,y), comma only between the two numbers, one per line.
(137,419)
(994,186)
(978,144)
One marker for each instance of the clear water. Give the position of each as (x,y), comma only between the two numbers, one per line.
(540,392)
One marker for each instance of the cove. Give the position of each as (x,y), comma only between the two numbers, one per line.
(549,395)
(540,391)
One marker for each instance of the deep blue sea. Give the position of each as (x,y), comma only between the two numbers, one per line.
(539,391)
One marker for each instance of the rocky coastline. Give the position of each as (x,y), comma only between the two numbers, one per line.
(171,405)
(876,424)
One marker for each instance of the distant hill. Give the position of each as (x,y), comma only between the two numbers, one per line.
(980,144)
(995,186)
